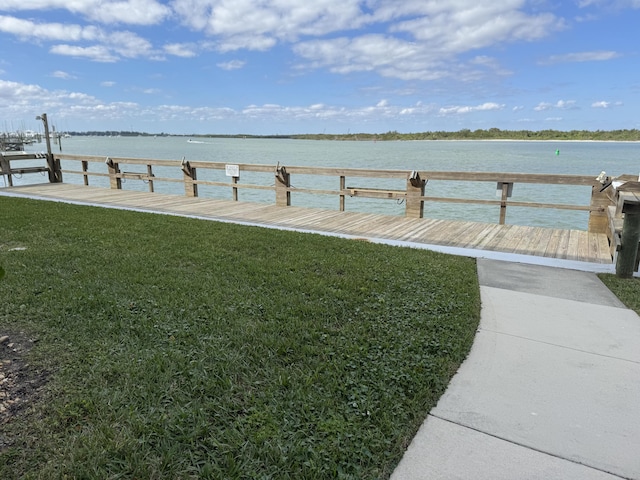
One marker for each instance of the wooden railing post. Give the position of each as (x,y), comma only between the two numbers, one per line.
(505,189)
(627,260)
(234,190)
(343,183)
(150,175)
(601,197)
(233,171)
(114,169)
(283,182)
(5,169)
(415,190)
(55,171)
(85,168)
(190,176)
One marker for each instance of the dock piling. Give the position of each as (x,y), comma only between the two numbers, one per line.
(283,184)
(627,260)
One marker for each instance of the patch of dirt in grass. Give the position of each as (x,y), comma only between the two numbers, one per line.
(20,382)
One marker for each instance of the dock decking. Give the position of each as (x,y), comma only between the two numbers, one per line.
(574,245)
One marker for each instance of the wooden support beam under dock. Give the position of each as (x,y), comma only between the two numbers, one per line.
(574,245)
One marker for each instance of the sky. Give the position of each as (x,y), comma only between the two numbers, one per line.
(277,67)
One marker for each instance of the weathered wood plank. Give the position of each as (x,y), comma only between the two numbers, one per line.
(555,179)
(394,227)
(488,235)
(543,241)
(496,242)
(555,243)
(520,236)
(536,245)
(466,234)
(419,233)
(563,246)
(574,242)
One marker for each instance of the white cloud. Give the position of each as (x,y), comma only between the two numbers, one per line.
(407,40)
(64,104)
(19,92)
(491,64)
(489,106)
(19,99)
(22,98)
(62,75)
(566,105)
(184,50)
(390,57)
(128,44)
(382,109)
(107,46)
(116,111)
(199,114)
(27,29)
(434,42)
(107,83)
(259,43)
(78,97)
(134,12)
(96,53)
(467,25)
(237,22)
(412,39)
(595,56)
(231,65)
(543,106)
(138,12)
(603,104)
(610,3)
(560,104)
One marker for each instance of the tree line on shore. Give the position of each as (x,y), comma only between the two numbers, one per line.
(490,134)
(464,134)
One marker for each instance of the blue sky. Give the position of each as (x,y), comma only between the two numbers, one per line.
(334,66)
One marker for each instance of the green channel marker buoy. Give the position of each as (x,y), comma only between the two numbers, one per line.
(558,152)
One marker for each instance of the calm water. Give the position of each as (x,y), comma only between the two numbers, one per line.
(582,158)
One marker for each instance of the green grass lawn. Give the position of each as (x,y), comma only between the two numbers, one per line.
(627,290)
(177,348)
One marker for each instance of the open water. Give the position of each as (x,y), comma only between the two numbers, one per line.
(580,158)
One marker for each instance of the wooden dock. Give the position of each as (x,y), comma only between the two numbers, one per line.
(574,245)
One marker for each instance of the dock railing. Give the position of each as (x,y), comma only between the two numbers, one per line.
(605,213)
(8,171)
(413,183)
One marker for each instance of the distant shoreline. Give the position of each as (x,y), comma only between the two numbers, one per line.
(493,134)
(538,140)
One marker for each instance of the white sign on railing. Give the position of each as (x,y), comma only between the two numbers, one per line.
(232,170)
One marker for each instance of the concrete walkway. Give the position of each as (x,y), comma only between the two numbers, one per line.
(550,390)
